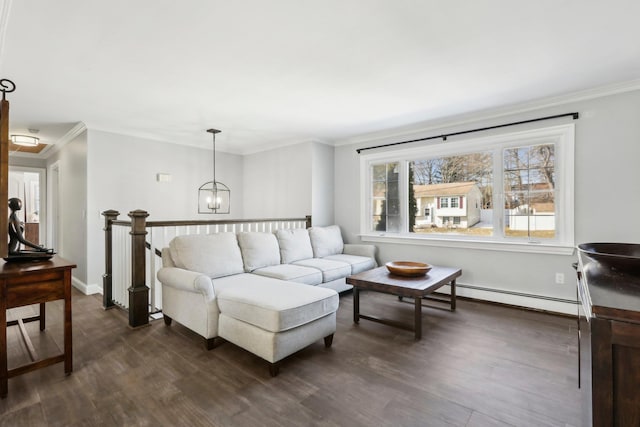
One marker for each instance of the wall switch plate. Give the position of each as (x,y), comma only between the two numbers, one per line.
(559,278)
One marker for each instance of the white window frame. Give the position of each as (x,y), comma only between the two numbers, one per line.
(562,136)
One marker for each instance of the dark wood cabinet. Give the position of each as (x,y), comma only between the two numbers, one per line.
(609,328)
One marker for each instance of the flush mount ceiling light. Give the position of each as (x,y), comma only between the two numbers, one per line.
(25,140)
(213,196)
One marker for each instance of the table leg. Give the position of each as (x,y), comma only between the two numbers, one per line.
(43,315)
(68,348)
(453,295)
(418,317)
(4,374)
(356,305)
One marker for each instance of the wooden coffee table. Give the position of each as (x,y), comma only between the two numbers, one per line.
(380,280)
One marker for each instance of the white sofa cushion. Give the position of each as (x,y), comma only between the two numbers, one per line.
(326,241)
(358,263)
(293,273)
(275,305)
(331,270)
(215,255)
(294,245)
(258,250)
(275,346)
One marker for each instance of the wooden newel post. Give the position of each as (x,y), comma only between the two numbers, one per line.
(6,86)
(139,291)
(107,284)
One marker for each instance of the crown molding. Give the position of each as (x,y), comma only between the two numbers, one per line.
(410,131)
(65,139)
(70,136)
(284,144)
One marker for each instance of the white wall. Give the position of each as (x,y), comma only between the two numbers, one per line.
(278,182)
(122,176)
(606,175)
(322,184)
(29,162)
(72,202)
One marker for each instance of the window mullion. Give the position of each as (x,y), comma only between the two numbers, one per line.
(498,193)
(404,195)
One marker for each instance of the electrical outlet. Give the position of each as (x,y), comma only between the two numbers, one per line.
(559,278)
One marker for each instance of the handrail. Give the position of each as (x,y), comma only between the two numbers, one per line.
(139,293)
(221,222)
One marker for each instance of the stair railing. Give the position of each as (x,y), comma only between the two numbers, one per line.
(133,255)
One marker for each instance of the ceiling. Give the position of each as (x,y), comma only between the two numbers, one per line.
(270,73)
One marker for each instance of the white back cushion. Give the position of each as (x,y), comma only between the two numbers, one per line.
(215,255)
(294,245)
(258,250)
(326,241)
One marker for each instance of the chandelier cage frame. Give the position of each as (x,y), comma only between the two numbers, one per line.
(214,197)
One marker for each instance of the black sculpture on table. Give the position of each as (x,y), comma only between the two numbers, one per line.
(16,237)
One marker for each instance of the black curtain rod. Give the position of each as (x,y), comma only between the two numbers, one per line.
(444,137)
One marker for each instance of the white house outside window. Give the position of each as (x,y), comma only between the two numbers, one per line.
(512,192)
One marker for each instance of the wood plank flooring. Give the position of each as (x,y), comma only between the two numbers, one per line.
(482,365)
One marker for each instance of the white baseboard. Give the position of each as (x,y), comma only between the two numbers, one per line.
(516,300)
(84,288)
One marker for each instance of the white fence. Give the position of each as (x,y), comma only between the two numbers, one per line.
(537,222)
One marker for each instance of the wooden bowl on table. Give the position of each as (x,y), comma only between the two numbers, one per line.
(408,268)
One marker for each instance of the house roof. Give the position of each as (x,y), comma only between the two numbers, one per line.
(446,189)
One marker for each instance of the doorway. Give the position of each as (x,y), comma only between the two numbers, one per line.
(27,184)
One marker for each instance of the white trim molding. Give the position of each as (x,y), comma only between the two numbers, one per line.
(421,129)
(403,239)
(562,136)
(84,288)
(535,302)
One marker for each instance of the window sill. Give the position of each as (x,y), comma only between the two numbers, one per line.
(538,248)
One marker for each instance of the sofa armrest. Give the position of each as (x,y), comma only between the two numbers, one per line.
(360,250)
(189,281)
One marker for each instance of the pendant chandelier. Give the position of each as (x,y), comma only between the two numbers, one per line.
(214,197)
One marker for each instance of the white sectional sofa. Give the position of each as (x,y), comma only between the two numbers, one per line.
(269,293)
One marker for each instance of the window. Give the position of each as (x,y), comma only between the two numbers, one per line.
(529,187)
(385,198)
(511,189)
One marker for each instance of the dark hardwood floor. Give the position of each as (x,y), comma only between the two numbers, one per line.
(482,365)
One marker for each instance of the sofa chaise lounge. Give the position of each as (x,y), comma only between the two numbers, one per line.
(269,293)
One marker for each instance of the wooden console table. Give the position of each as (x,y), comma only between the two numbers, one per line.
(27,283)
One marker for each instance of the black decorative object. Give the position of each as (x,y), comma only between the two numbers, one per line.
(16,237)
(6,86)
